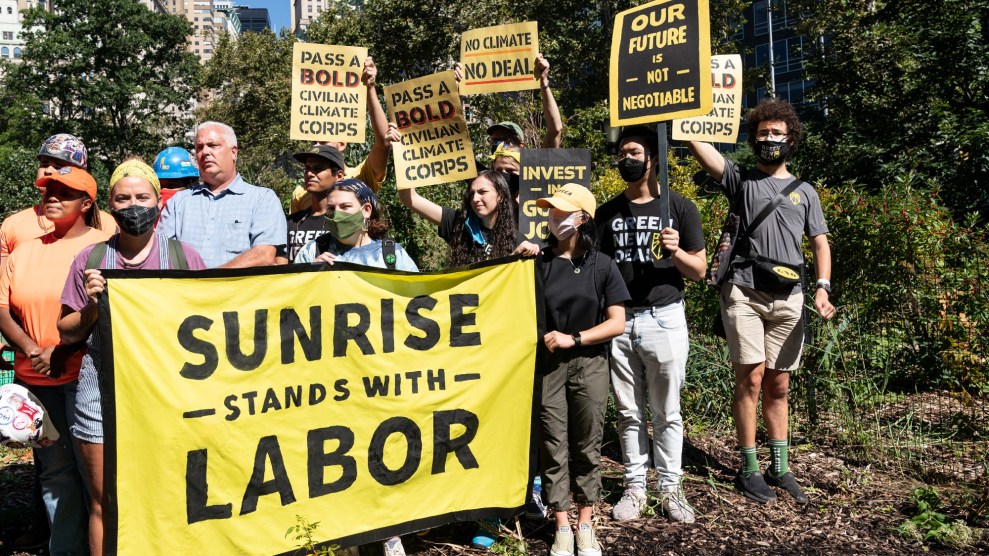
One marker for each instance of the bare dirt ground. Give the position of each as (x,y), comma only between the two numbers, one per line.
(854,508)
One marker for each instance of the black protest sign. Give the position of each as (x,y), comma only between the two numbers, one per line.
(543,171)
(660,62)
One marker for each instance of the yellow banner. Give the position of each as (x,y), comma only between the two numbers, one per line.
(435,146)
(722,123)
(375,403)
(329,102)
(500,58)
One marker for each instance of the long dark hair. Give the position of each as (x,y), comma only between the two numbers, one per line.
(502,239)
(587,231)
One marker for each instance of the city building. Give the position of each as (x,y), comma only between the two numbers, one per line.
(770,32)
(253,20)
(305,11)
(10,30)
(157,6)
(226,17)
(204,30)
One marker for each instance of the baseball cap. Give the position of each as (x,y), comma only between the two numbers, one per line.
(65,147)
(326,152)
(70,176)
(511,127)
(570,197)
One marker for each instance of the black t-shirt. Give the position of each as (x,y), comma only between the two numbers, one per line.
(630,234)
(573,299)
(448,221)
(303,227)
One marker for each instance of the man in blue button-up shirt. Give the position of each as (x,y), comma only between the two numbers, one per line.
(230,222)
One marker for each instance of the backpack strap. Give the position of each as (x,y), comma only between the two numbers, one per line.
(176,255)
(764,214)
(388,252)
(96,256)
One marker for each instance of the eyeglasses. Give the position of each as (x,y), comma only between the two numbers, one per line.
(771,133)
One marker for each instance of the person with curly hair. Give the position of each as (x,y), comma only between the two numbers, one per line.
(764,322)
(484,227)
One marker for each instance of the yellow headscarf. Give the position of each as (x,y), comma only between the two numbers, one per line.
(510,153)
(136,168)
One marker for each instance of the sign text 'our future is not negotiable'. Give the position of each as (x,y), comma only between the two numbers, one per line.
(329,102)
(660,55)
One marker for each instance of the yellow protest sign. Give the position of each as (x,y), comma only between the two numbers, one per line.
(329,102)
(722,123)
(373,402)
(435,146)
(499,58)
(660,55)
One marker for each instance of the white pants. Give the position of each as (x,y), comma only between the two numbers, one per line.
(650,359)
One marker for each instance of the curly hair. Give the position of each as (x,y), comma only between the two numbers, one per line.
(463,249)
(775,110)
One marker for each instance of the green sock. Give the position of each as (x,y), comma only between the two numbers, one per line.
(750,464)
(778,456)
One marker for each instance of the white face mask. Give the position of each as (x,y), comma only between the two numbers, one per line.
(562,224)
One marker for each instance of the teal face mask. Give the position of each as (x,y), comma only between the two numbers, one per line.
(344,224)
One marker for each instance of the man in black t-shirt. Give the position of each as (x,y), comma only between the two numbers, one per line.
(649,361)
(324,167)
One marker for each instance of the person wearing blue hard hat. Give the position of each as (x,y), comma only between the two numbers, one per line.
(176,170)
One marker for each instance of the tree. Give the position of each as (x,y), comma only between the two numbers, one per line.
(250,80)
(111,72)
(906,89)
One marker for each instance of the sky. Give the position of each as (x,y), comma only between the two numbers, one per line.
(279,11)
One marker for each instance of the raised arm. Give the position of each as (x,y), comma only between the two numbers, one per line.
(378,157)
(710,159)
(551,112)
(421,205)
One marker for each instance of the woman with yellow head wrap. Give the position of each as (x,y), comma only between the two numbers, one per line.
(135,201)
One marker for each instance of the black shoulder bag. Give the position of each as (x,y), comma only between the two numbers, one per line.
(769,274)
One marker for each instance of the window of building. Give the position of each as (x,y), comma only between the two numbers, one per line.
(760,16)
(4,52)
(17,53)
(788,54)
(8,35)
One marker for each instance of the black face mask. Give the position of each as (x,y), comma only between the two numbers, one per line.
(513,183)
(771,152)
(631,169)
(135,219)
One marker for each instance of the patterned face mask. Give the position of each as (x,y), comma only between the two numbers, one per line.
(135,219)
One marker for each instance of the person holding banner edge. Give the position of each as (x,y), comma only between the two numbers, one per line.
(584,305)
(649,360)
(374,169)
(135,202)
(764,326)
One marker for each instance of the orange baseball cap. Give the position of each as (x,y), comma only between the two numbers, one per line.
(72,177)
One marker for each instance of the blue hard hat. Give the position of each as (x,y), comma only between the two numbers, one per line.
(175,163)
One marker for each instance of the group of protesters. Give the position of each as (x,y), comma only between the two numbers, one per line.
(613,281)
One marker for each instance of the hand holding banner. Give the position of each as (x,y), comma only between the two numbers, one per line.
(499,58)
(722,123)
(329,102)
(435,146)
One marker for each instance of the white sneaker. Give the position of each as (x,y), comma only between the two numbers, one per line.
(562,542)
(631,504)
(587,543)
(676,506)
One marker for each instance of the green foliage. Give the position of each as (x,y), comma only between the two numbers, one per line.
(111,72)
(930,525)
(302,533)
(905,86)
(18,167)
(251,82)
(511,543)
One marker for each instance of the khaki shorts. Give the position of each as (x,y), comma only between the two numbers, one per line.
(763,326)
